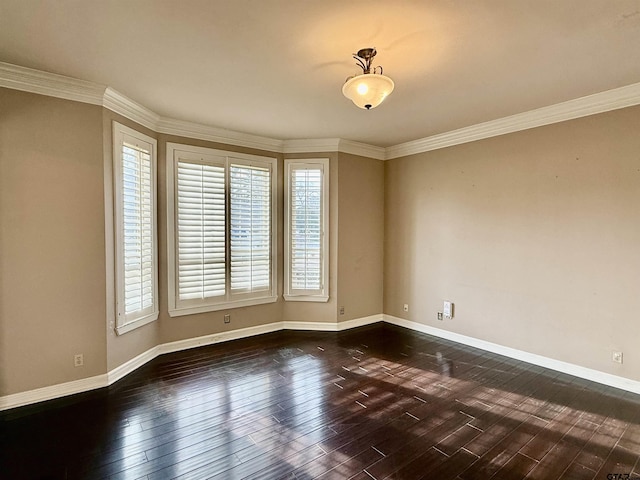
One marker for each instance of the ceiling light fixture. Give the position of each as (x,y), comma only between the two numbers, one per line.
(369,89)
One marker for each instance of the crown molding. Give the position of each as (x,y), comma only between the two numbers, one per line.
(118,103)
(50,84)
(317,145)
(213,134)
(622,97)
(59,86)
(311,145)
(362,149)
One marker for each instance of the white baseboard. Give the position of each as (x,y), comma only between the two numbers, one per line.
(331,326)
(99,381)
(129,366)
(557,365)
(54,391)
(218,338)
(360,322)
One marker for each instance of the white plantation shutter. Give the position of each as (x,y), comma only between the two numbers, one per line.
(136,249)
(250,234)
(201,231)
(137,203)
(220,229)
(306,229)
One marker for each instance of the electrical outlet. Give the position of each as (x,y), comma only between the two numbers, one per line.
(405,307)
(447,310)
(341,310)
(78,360)
(439,315)
(616,357)
(227,318)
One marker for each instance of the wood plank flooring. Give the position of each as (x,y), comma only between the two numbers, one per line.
(372,403)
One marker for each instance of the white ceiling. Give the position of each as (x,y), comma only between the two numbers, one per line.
(275,68)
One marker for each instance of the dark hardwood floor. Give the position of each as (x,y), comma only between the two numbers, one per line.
(376,402)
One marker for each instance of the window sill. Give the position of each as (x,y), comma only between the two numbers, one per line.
(120,329)
(307,298)
(178,312)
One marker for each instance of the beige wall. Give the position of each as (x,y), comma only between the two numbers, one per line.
(52,241)
(57,298)
(534,236)
(360,236)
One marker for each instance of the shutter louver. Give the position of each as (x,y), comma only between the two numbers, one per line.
(306,230)
(250,228)
(201,265)
(138,225)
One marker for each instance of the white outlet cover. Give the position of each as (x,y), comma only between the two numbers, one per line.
(447,310)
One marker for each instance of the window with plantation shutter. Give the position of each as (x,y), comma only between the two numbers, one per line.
(135,216)
(250,187)
(221,229)
(306,230)
(201,231)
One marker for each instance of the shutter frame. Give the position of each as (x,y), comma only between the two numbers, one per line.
(136,255)
(231,299)
(306,223)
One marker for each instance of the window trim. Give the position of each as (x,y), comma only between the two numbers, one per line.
(241,299)
(120,133)
(289,294)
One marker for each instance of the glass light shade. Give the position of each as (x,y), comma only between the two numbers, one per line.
(368,90)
